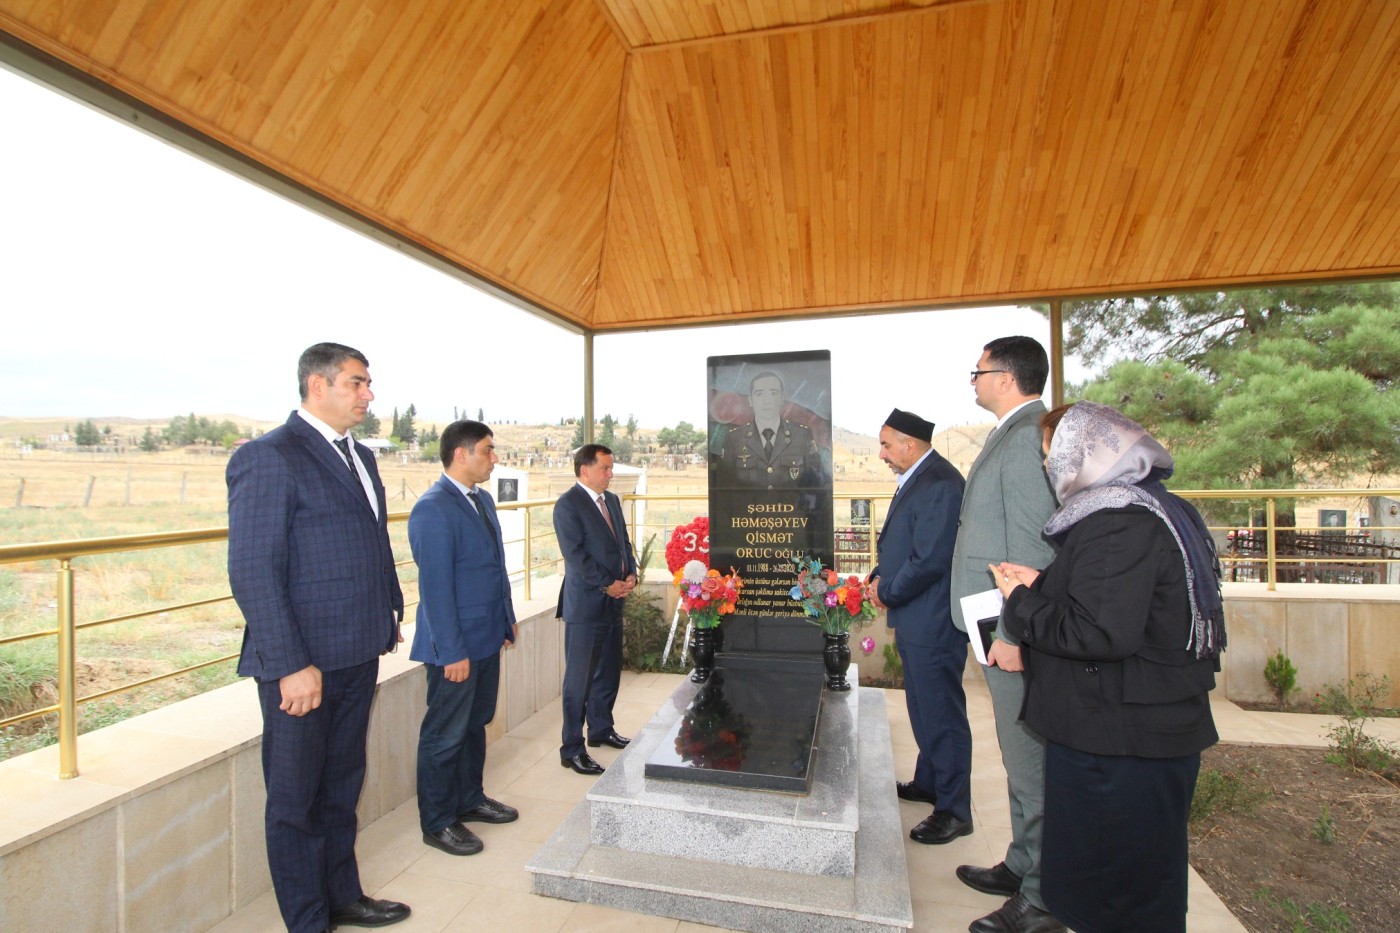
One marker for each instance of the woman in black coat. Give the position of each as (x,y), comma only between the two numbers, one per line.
(1121,637)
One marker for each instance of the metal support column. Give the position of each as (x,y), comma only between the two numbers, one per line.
(588,387)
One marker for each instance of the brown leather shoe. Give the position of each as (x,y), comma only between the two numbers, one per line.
(995,880)
(1017,915)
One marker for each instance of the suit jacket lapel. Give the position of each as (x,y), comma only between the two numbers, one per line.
(590,500)
(898,501)
(330,458)
(1031,410)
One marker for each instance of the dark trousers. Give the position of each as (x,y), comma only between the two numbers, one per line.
(1114,854)
(314,768)
(452,742)
(592,672)
(933,692)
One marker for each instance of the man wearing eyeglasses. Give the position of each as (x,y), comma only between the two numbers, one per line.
(1004,509)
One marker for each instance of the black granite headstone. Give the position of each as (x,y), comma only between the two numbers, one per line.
(770,491)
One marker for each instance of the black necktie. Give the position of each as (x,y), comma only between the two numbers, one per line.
(768,443)
(344,444)
(476,502)
(603,507)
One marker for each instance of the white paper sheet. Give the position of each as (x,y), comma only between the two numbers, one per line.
(984,605)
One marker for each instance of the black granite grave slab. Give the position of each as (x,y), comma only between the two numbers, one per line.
(752,725)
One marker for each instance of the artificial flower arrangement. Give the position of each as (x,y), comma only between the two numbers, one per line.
(837,605)
(689,542)
(707,594)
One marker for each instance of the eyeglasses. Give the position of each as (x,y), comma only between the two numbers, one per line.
(983,372)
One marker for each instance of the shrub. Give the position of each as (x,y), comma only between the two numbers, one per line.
(1225,792)
(1315,916)
(644,627)
(894,668)
(1282,677)
(1325,829)
(1355,705)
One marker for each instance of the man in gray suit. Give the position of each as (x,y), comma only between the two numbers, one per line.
(1004,510)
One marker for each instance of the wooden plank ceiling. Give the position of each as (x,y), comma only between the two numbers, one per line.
(634,163)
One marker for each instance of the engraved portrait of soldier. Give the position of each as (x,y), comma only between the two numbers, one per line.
(770,451)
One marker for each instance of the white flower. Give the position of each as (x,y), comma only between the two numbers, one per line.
(694,571)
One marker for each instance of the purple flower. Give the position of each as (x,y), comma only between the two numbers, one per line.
(831,598)
(867,644)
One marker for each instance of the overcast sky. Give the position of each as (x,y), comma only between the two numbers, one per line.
(140,281)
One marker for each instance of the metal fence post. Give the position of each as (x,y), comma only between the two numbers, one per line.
(529,553)
(1272,543)
(67,680)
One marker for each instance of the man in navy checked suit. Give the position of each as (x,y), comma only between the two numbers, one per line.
(312,571)
(599,571)
(465,618)
(911,582)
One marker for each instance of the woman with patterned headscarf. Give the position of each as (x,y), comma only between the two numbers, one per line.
(1121,637)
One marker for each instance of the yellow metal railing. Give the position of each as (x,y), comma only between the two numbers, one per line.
(66,552)
(1271,529)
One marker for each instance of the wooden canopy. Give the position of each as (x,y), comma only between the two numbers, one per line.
(620,164)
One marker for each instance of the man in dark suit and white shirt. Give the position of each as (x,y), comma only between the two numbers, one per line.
(1004,510)
(599,571)
(910,581)
(312,571)
(465,618)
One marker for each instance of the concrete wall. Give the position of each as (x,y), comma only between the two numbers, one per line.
(163,827)
(1331,633)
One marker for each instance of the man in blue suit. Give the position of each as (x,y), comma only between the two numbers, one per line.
(465,618)
(599,571)
(312,571)
(910,581)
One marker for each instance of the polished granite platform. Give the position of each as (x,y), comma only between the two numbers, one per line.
(741,858)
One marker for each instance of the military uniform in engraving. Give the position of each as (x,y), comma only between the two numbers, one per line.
(793,463)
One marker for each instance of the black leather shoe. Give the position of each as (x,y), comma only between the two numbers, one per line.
(939,828)
(908,790)
(490,811)
(368,912)
(1017,915)
(612,740)
(995,880)
(583,763)
(454,839)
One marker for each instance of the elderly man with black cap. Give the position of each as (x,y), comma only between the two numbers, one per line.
(911,582)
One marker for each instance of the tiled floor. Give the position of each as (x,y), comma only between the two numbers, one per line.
(491,891)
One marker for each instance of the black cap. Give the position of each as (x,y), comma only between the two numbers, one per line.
(906,422)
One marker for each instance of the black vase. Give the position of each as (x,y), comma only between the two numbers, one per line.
(702,654)
(837,657)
